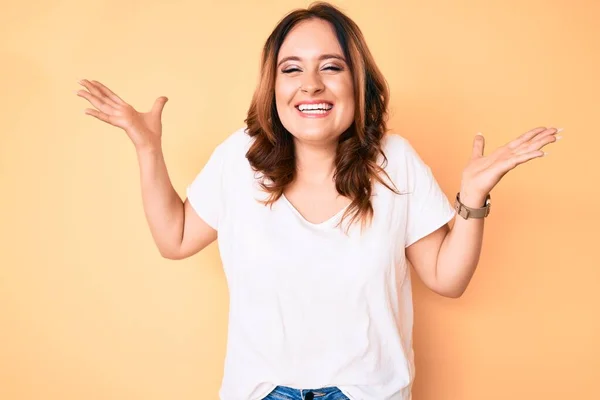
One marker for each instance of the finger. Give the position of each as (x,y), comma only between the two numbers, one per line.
(100,115)
(109,93)
(518,159)
(538,143)
(524,138)
(159,104)
(547,133)
(478,146)
(92,89)
(95,90)
(96,102)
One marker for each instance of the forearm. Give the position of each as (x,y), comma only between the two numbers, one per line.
(460,250)
(162,205)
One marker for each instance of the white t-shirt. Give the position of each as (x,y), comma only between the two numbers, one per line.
(312,306)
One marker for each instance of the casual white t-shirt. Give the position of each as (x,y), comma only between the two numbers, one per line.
(312,306)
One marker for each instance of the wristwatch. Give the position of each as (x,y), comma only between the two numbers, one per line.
(468,212)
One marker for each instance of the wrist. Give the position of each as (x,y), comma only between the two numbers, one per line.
(472,199)
(148,150)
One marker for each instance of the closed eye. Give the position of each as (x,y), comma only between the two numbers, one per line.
(329,67)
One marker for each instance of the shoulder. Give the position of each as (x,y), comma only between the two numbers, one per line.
(393,143)
(235,143)
(231,151)
(402,161)
(397,149)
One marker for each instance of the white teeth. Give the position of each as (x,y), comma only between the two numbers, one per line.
(314,111)
(321,106)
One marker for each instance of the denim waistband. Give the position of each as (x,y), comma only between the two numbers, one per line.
(288,393)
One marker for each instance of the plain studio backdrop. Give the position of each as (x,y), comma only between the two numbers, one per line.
(89,309)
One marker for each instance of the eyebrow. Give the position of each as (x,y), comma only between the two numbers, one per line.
(321,58)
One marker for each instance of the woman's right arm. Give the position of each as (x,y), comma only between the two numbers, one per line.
(176,228)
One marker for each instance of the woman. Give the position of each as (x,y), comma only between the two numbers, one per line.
(318,209)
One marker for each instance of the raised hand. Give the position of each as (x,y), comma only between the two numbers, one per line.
(144,129)
(484,172)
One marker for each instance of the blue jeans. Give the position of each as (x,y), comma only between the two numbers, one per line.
(288,393)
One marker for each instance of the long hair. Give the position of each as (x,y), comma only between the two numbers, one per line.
(272,152)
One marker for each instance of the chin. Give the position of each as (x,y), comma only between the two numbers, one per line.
(311,135)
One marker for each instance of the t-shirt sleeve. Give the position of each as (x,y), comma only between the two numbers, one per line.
(205,193)
(428,206)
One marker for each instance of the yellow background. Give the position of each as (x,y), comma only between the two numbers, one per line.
(88,308)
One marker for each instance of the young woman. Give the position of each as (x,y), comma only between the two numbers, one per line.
(317,210)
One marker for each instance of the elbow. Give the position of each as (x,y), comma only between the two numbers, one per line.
(170,254)
(452,293)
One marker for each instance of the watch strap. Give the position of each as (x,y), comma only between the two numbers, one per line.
(469,212)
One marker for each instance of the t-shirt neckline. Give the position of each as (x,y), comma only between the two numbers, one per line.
(331,221)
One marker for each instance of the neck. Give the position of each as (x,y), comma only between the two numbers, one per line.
(315,163)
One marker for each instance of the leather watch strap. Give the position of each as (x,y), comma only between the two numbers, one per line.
(468,212)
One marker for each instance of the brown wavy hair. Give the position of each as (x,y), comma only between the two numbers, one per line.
(272,152)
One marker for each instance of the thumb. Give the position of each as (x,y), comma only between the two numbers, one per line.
(159,104)
(478,146)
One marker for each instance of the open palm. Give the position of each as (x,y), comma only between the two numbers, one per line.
(143,128)
(482,173)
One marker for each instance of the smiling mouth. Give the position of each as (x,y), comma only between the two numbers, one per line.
(314,109)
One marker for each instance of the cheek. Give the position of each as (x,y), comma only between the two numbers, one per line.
(344,91)
(284,91)
(342,87)
(349,90)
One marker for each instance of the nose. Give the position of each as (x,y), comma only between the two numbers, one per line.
(311,83)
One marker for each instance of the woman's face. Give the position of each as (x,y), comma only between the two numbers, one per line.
(314,92)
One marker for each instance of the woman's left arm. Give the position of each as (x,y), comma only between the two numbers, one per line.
(456,251)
